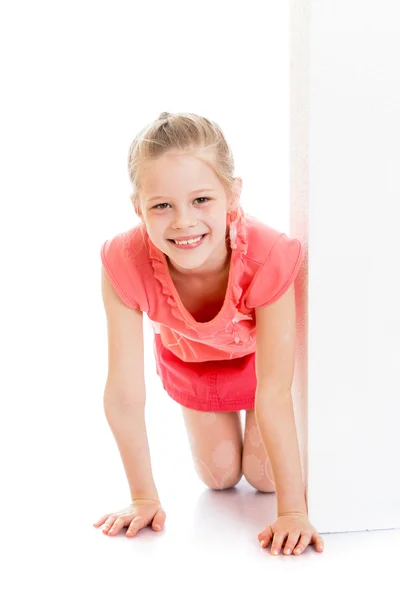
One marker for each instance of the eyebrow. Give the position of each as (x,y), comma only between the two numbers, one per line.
(193,192)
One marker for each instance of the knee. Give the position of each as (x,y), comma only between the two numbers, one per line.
(261,484)
(261,487)
(255,471)
(223,482)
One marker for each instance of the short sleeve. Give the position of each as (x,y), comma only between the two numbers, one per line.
(277,273)
(118,262)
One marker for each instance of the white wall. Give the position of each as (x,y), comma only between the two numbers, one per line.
(345,193)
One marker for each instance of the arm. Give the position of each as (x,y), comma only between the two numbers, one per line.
(127,423)
(275,420)
(275,356)
(125,393)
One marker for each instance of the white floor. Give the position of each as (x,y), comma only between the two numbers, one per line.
(65,472)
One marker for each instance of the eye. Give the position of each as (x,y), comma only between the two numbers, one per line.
(166,203)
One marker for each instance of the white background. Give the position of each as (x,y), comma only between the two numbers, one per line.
(79,79)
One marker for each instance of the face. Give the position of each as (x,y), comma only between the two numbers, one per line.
(181,211)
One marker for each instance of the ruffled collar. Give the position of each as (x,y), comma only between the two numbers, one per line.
(228,312)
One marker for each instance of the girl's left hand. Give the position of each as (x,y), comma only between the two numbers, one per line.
(297,528)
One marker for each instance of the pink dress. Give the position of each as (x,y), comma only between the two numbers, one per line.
(205,366)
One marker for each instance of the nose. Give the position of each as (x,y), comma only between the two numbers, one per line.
(183,219)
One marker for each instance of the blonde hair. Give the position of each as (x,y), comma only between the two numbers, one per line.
(180,133)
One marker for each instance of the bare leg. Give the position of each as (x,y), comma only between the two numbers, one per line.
(255,462)
(216,442)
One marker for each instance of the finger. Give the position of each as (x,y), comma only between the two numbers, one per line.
(265,536)
(159,520)
(318,541)
(292,540)
(303,543)
(109,523)
(118,524)
(101,520)
(136,524)
(277,542)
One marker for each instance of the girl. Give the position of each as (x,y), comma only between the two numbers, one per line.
(209,278)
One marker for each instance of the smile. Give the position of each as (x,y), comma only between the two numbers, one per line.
(189,244)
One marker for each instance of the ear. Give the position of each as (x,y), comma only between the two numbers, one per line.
(238,186)
(235,196)
(137,209)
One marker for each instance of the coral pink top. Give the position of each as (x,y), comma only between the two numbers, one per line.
(263,265)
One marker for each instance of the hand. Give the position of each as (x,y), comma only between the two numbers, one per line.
(293,526)
(137,515)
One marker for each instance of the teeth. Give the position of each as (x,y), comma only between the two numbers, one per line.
(193,241)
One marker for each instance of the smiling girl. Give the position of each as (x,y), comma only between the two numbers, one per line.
(218,287)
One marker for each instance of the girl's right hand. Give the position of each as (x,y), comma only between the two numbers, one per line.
(137,515)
